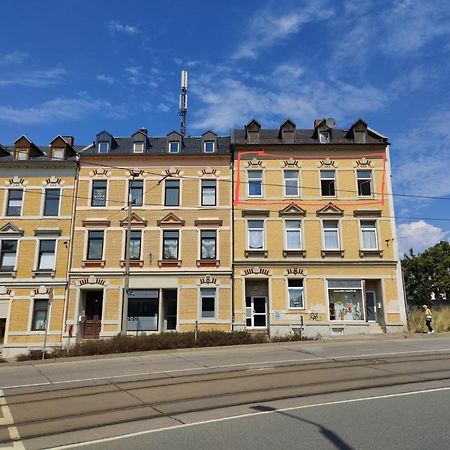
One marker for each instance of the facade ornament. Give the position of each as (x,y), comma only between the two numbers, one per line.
(209,172)
(53,181)
(99,173)
(363,162)
(208,279)
(295,270)
(257,271)
(92,279)
(255,163)
(327,163)
(16,181)
(291,163)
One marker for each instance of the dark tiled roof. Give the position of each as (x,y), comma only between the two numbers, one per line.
(8,155)
(158,146)
(304,136)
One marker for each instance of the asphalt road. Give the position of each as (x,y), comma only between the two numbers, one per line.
(64,403)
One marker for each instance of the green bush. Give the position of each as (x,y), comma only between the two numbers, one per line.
(441,320)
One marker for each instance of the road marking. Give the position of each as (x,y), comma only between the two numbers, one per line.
(260,413)
(225,366)
(7,420)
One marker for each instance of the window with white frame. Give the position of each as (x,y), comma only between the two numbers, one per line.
(103,147)
(208,239)
(328,183)
(95,245)
(98,196)
(135,245)
(208,303)
(291,185)
(136,192)
(40,312)
(170,244)
(256,234)
(254,183)
(138,147)
(293,234)
(174,147)
(46,256)
(369,235)
(208,192)
(51,202)
(295,294)
(8,255)
(331,235)
(15,200)
(22,153)
(364,180)
(58,154)
(324,137)
(208,147)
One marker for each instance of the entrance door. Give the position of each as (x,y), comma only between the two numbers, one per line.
(256,312)
(371,306)
(93,314)
(170,309)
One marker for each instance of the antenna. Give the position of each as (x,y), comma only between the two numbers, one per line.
(331,123)
(182,107)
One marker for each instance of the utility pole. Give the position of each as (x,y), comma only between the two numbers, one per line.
(126,284)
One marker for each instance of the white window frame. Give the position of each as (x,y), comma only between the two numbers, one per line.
(335,183)
(292,230)
(125,244)
(288,289)
(374,229)
(256,179)
(99,146)
(261,230)
(37,265)
(364,178)
(22,154)
(58,150)
(7,202)
(177,147)
(337,229)
(215,191)
(136,147)
(86,250)
(216,238)
(297,180)
(213,146)
(17,253)
(178,258)
(200,303)
(324,137)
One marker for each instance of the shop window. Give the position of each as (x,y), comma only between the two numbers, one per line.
(254,183)
(255,234)
(364,179)
(208,192)
(208,303)
(8,255)
(345,300)
(40,312)
(293,234)
(95,245)
(170,244)
(291,184)
(295,294)
(46,257)
(208,244)
(143,310)
(15,201)
(172,193)
(328,183)
(369,235)
(98,197)
(136,192)
(51,202)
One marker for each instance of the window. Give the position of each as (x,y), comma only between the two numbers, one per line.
(324,137)
(345,300)
(208,244)
(58,154)
(293,235)
(8,255)
(98,197)
(291,187)
(174,147)
(51,202)
(46,258)
(138,147)
(328,183)
(208,303)
(95,245)
(369,235)
(170,244)
(22,153)
(143,310)
(103,147)
(331,234)
(208,146)
(40,311)
(295,294)
(254,183)
(135,245)
(255,234)
(15,198)
(172,193)
(135,192)
(208,192)
(364,179)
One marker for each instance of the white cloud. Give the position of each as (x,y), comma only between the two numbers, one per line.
(163,107)
(59,109)
(116,27)
(33,78)
(419,236)
(137,77)
(177,61)
(105,78)
(14,57)
(268,27)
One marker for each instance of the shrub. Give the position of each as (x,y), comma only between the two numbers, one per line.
(441,320)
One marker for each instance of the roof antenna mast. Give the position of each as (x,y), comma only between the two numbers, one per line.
(182,108)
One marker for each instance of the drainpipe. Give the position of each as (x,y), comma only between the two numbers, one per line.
(232,241)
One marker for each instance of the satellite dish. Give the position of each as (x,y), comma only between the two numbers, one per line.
(331,123)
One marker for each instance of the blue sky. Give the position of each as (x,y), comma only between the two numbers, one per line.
(79,66)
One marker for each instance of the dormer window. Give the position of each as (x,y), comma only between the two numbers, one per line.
(103,147)
(22,153)
(138,147)
(208,147)
(174,147)
(324,137)
(58,154)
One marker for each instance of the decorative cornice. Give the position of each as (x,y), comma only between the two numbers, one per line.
(255,213)
(47,232)
(96,223)
(100,173)
(367,213)
(295,270)
(170,220)
(16,182)
(208,222)
(136,221)
(208,279)
(292,210)
(53,181)
(330,210)
(91,280)
(290,163)
(255,164)
(257,271)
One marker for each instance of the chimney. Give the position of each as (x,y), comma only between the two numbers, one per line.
(69,140)
(144,130)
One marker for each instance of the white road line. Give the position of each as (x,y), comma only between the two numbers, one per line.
(225,366)
(260,413)
(7,420)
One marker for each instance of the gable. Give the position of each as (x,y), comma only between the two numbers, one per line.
(9,229)
(135,221)
(170,220)
(253,125)
(330,210)
(292,210)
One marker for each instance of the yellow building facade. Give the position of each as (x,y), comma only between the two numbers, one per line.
(314,233)
(180,236)
(36,198)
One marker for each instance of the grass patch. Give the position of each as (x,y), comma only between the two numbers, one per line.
(441,320)
(162,341)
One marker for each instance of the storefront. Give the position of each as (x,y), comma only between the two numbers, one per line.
(345,299)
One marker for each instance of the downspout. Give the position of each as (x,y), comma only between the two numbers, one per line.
(232,235)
